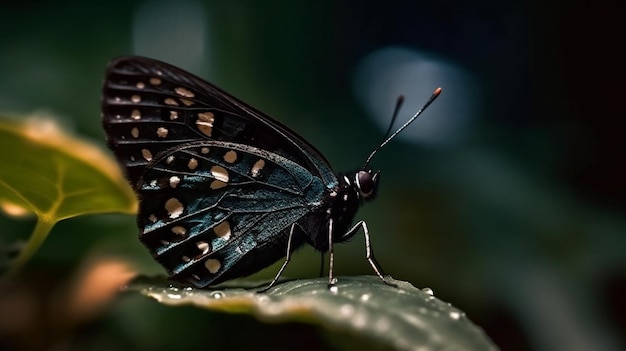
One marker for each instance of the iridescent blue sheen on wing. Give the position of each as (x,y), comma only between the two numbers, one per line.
(258,207)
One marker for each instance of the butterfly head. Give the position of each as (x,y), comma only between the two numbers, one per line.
(366,183)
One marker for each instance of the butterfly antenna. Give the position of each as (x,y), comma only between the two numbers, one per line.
(399,103)
(417,114)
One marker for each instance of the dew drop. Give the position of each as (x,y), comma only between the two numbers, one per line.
(346,310)
(455,315)
(428,291)
(173,296)
(263,299)
(217,295)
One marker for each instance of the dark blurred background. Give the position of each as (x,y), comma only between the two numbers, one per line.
(507,197)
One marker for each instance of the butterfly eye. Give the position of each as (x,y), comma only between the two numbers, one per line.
(367,184)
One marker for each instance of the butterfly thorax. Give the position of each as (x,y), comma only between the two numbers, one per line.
(340,206)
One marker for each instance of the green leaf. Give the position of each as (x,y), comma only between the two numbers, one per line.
(404,318)
(56,176)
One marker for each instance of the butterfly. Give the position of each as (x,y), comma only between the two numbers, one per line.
(224,190)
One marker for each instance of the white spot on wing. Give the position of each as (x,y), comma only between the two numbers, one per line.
(135,114)
(162,132)
(192,164)
(171,102)
(134,132)
(257,167)
(184,92)
(204,247)
(174,208)
(212,265)
(220,173)
(205,122)
(147,155)
(173,115)
(222,230)
(179,230)
(155,81)
(174,181)
(135,98)
(230,156)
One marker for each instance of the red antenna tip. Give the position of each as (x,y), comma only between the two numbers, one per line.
(437,91)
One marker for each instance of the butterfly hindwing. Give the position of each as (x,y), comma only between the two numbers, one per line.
(249,200)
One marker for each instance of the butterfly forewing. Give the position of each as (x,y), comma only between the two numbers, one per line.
(220,184)
(150,106)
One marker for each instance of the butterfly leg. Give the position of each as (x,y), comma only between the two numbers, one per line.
(287,259)
(369,252)
(331,255)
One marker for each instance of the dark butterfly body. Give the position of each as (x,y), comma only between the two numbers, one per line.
(224,190)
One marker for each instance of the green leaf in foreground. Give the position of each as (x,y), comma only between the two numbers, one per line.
(405,318)
(55,176)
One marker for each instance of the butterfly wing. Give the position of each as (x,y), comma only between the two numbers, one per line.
(207,205)
(149,106)
(220,184)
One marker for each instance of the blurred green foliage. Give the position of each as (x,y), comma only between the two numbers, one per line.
(522,226)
